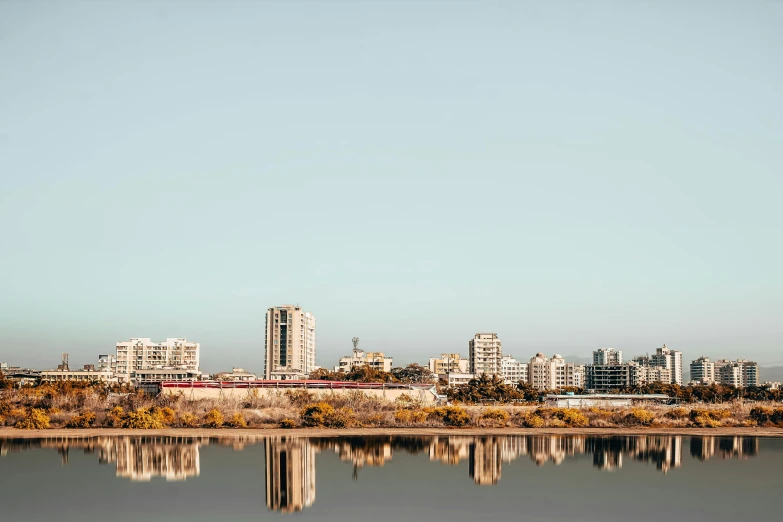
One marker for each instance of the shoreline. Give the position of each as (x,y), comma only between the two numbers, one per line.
(261,433)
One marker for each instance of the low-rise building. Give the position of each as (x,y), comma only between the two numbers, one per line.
(447,363)
(87,374)
(236,374)
(458,379)
(376,360)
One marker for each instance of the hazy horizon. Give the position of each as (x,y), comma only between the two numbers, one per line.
(569,175)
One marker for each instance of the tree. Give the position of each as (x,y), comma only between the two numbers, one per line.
(484,389)
(413,373)
(322,374)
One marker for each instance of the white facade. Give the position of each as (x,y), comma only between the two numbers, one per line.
(607,356)
(703,371)
(141,353)
(79,375)
(289,343)
(485,354)
(457,379)
(554,373)
(670,359)
(740,373)
(513,370)
(236,374)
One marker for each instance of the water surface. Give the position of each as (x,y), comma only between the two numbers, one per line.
(449,478)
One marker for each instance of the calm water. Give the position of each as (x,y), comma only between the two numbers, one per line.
(531,478)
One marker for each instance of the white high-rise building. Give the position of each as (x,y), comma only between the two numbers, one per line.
(670,359)
(512,370)
(143,355)
(607,356)
(485,354)
(703,371)
(289,343)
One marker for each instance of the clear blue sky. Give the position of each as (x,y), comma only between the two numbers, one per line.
(570,175)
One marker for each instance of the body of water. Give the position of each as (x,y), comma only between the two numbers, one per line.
(446,478)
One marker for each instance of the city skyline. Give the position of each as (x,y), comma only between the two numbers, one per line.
(570,177)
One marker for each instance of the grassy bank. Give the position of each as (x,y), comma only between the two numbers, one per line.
(65,405)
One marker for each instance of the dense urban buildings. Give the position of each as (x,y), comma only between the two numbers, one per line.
(142,359)
(702,371)
(289,343)
(607,356)
(665,357)
(740,373)
(375,360)
(513,371)
(485,354)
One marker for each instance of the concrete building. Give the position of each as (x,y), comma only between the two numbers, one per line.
(665,357)
(375,360)
(485,353)
(458,379)
(141,353)
(107,362)
(607,356)
(290,474)
(88,374)
(702,371)
(740,373)
(512,370)
(289,343)
(554,373)
(236,375)
(447,363)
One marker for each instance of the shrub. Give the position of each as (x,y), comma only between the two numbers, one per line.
(453,415)
(5,408)
(677,413)
(168,415)
(143,419)
(571,417)
(531,420)
(316,414)
(287,424)
(187,420)
(84,420)
(704,421)
(639,417)
(761,414)
(237,421)
(495,415)
(115,416)
(36,419)
(708,418)
(341,418)
(213,419)
(411,416)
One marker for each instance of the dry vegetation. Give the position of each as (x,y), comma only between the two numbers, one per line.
(66,405)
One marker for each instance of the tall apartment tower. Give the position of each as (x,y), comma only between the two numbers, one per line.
(485,354)
(703,371)
(670,359)
(607,356)
(290,474)
(289,343)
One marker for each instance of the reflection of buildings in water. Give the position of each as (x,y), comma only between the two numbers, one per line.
(607,452)
(450,450)
(290,474)
(704,448)
(663,450)
(511,448)
(555,448)
(485,464)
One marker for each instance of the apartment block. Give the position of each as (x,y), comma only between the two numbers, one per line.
(555,373)
(376,360)
(665,357)
(141,353)
(607,356)
(740,373)
(703,371)
(289,343)
(512,370)
(485,353)
(448,363)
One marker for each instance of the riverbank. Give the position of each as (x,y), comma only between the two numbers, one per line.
(11,433)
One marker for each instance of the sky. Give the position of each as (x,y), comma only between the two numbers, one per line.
(570,175)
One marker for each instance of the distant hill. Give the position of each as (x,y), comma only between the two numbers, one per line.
(772,373)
